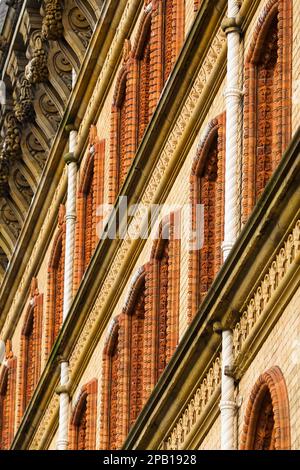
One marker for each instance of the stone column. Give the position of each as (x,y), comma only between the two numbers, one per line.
(233,97)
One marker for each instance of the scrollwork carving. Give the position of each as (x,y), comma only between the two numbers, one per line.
(194,409)
(36,150)
(49,110)
(63,68)
(23,186)
(10,220)
(80,26)
(269,284)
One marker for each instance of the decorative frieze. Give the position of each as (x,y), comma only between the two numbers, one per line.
(270,283)
(193,412)
(189,420)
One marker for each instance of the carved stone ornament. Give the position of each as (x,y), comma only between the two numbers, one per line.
(4,173)
(52,22)
(23,98)
(10,220)
(23,186)
(11,143)
(36,71)
(3,44)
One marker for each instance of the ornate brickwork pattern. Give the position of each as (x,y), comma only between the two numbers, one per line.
(89,199)
(267,417)
(142,339)
(207,189)
(267,108)
(55,291)
(30,350)
(8,378)
(162,301)
(109,403)
(83,420)
(144,71)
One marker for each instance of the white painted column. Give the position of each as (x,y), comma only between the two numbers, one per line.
(233,97)
(63,390)
(227,404)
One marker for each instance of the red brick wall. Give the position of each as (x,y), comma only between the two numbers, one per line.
(89,198)
(55,291)
(30,351)
(142,339)
(207,188)
(267,417)
(83,419)
(7,399)
(267,107)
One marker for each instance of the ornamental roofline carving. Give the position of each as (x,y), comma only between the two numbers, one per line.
(40,44)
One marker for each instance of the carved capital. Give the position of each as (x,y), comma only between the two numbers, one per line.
(230,25)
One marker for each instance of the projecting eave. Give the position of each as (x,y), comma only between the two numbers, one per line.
(261,241)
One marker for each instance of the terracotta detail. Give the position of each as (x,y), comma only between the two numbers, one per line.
(207,188)
(267,418)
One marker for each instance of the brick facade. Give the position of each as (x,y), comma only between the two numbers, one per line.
(89,200)
(55,288)
(109,437)
(143,337)
(30,350)
(267,417)
(8,379)
(267,107)
(83,420)
(145,332)
(207,189)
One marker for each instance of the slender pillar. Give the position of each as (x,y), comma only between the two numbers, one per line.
(227,404)
(62,443)
(63,389)
(233,97)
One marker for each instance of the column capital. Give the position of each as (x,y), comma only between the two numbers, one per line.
(70,158)
(219,328)
(230,25)
(228,405)
(70,127)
